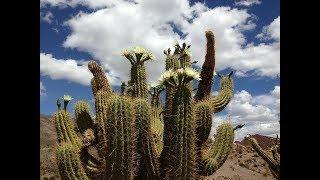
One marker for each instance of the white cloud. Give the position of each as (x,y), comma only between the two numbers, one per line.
(247,2)
(64,69)
(260,114)
(93,4)
(104,33)
(68,69)
(46,17)
(43,90)
(271,31)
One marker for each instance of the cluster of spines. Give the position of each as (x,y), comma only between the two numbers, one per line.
(224,97)
(69,162)
(65,128)
(203,115)
(121,134)
(149,166)
(83,118)
(99,80)
(214,158)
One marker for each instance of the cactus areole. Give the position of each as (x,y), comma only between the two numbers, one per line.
(134,135)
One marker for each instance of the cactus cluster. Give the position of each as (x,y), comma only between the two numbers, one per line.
(136,137)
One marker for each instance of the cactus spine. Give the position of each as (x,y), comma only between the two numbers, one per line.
(83,118)
(120,128)
(65,128)
(156,121)
(138,140)
(218,153)
(149,166)
(69,162)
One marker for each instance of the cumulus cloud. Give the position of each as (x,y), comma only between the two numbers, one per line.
(271,31)
(104,33)
(47,17)
(69,69)
(93,4)
(43,90)
(247,2)
(64,69)
(260,114)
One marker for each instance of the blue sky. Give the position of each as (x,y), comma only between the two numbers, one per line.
(247,41)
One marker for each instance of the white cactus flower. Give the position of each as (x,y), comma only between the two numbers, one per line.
(139,50)
(192,73)
(154,84)
(67,98)
(125,52)
(165,76)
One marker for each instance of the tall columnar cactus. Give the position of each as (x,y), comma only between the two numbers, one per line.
(120,133)
(180,154)
(156,120)
(137,57)
(149,166)
(273,161)
(137,139)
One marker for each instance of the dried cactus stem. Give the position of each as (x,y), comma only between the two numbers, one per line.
(204,87)
(273,164)
(99,80)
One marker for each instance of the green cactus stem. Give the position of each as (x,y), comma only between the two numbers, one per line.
(121,135)
(214,158)
(99,80)
(101,100)
(179,157)
(273,164)
(149,166)
(137,57)
(156,121)
(83,118)
(226,91)
(65,128)
(207,72)
(59,104)
(69,163)
(123,88)
(203,114)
